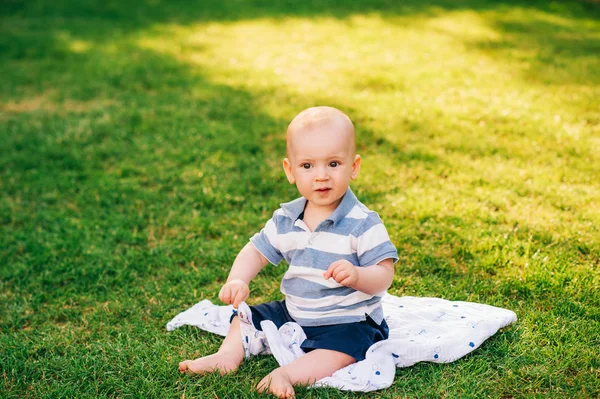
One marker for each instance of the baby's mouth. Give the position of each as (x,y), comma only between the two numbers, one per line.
(322,190)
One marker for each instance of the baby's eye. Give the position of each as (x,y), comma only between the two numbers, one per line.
(305,166)
(334,164)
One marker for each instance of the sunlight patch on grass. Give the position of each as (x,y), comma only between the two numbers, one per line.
(143,146)
(49,102)
(466,25)
(384,73)
(79,46)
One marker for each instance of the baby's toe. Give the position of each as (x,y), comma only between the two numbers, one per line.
(263,385)
(284,392)
(183,366)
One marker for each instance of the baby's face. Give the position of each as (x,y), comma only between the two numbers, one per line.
(321,163)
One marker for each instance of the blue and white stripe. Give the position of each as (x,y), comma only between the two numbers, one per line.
(352,232)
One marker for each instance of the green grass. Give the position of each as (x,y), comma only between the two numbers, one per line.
(141,145)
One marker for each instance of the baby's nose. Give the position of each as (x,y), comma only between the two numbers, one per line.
(322,174)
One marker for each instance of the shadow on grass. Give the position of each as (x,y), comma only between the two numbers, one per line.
(126,178)
(548,34)
(103,194)
(117,171)
(561,48)
(110,179)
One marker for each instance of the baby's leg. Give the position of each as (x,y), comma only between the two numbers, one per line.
(305,370)
(227,359)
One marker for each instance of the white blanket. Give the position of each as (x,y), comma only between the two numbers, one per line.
(421,329)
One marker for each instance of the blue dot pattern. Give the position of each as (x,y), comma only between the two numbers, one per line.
(422,326)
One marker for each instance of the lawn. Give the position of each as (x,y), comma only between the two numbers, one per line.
(141,144)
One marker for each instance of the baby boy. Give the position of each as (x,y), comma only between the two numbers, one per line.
(340,256)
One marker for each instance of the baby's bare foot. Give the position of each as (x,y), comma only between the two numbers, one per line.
(278,383)
(221,362)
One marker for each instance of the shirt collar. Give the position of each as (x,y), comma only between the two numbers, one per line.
(295,208)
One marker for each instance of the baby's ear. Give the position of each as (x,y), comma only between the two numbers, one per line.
(355,167)
(287,168)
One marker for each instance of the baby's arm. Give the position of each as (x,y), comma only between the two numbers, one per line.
(245,267)
(368,279)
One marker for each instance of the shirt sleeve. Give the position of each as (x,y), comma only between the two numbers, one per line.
(373,242)
(266,243)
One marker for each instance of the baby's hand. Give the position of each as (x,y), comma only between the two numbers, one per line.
(343,272)
(234,292)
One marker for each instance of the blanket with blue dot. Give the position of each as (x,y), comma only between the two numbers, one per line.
(421,329)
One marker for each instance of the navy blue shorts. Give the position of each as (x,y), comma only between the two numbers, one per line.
(350,338)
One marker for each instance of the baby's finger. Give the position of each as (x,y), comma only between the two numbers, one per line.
(225,295)
(330,270)
(341,275)
(232,294)
(339,271)
(346,280)
(239,297)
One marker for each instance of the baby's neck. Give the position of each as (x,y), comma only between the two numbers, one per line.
(314,215)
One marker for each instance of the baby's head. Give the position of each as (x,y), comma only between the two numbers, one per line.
(321,155)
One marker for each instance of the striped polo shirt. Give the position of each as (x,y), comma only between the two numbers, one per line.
(351,232)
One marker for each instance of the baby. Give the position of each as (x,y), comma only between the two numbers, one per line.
(340,256)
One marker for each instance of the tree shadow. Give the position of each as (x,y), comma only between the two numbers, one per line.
(114,15)
(561,48)
(129,179)
(147,135)
(122,183)
(103,21)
